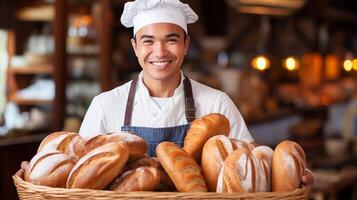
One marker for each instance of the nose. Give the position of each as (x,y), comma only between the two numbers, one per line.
(160,49)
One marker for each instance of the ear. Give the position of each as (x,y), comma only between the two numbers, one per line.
(187,44)
(134,45)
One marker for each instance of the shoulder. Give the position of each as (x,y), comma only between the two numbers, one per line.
(116,95)
(203,91)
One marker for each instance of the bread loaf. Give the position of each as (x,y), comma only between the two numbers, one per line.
(201,130)
(49,168)
(289,163)
(53,140)
(264,156)
(215,151)
(139,179)
(137,146)
(181,167)
(99,167)
(246,170)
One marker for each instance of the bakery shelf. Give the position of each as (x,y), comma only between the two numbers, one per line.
(36,69)
(30,102)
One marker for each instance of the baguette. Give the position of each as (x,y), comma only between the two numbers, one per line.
(181,167)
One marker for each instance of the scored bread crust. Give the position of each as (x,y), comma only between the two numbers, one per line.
(201,130)
(181,167)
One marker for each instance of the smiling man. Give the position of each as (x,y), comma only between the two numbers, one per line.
(161,102)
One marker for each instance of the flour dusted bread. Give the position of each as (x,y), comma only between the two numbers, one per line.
(49,168)
(201,130)
(53,140)
(289,163)
(136,145)
(215,151)
(181,167)
(99,167)
(264,156)
(139,179)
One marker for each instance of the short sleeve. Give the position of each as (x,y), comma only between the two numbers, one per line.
(239,129)
(93,122)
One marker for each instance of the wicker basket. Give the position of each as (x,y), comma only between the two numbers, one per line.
(27,190)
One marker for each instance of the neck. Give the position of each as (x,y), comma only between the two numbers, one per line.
(162,88)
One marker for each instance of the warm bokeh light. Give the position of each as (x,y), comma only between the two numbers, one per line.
(347,65)
(354,64)
(291,64)
(261,63)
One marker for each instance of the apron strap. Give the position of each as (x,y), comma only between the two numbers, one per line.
(190,109)
(189,101)
(130,102)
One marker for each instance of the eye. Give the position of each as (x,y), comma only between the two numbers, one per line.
(147,42)
(172,40)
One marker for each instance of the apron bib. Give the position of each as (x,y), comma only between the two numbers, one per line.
(154,136)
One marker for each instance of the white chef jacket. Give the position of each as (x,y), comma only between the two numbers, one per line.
(107,110)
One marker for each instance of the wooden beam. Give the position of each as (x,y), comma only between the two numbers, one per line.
(105,45)
(60,65)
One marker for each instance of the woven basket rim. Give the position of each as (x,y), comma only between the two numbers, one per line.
(25,189)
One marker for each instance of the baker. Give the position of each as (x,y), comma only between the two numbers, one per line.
(161,102)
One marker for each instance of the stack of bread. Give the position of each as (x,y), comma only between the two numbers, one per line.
(208,161)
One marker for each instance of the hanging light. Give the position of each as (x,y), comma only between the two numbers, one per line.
(267,7)
(354,64)
(261,63)
(291,64)
(347,65)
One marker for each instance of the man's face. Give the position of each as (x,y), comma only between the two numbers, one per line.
(160,49)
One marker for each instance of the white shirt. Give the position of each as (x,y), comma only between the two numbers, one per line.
(107,110)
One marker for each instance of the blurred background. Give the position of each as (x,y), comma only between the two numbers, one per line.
(289,65)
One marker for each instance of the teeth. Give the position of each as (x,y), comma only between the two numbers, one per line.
(162,63)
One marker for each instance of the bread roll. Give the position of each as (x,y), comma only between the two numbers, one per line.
(139,179)
(181,167)
(215,151)
(240,172)
(99,167)
(264,156)
(52,141)
(49,168)
(67,146)
(146,162)
(137,146)
(201,130)
(289,163)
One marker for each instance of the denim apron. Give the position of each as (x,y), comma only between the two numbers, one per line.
(154,136)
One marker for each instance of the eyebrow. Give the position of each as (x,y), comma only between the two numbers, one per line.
(167,36)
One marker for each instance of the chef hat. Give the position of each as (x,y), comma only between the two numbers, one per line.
(140,13)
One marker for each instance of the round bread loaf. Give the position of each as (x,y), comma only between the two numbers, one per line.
(289,163)
(99,167)
(181,167)
(264,156)
(201,130)
(215,151)
(49,168)
(53,140)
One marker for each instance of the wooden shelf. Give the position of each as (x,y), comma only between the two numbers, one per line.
(30,70)
(30,102)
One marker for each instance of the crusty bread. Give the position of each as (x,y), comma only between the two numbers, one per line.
(137,146)
(146,162)
(215,151)
(240,173)
(264,156)
(99,167)
(201,130)
(288,166)
(49,168)
(139,179)
(53,140)
(181,167)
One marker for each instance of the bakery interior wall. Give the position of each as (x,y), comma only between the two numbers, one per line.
(311,99)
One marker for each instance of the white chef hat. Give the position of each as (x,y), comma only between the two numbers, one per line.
(140,13)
